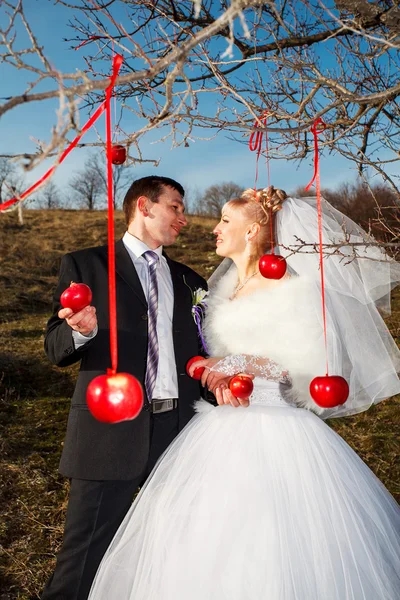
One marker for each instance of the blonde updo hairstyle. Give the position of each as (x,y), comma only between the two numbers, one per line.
(257,206)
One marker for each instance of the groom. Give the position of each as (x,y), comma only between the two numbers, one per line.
(156,337)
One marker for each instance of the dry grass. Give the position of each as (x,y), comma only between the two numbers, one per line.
(34,395)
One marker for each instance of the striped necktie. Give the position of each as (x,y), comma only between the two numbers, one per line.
(152,302)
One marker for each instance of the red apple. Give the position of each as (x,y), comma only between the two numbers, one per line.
(118,154)
(76,297)
(329,391)
(272,266)
(115,397)
(197,372)
(241,386)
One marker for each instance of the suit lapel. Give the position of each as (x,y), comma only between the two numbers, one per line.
(125,269)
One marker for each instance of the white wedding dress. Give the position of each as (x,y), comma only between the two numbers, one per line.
(258,503)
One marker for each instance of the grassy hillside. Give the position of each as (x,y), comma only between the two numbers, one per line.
(34,395)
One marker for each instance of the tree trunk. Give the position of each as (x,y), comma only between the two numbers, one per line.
(20,215)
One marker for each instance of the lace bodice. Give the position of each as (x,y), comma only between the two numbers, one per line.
(258,366)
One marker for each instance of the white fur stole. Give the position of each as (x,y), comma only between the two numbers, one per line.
(283,324)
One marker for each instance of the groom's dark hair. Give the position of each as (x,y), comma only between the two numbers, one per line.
(151,187)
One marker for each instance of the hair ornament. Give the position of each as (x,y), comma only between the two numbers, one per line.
(269,198)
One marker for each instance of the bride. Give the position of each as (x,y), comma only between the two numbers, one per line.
(260,499)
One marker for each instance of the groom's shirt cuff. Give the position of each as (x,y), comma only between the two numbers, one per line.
(80,340)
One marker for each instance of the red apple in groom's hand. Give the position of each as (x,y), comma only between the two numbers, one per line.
(241,386)
(76,297)
(113,398)
(197,372)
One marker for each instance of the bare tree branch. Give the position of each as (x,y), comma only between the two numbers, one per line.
(297,60)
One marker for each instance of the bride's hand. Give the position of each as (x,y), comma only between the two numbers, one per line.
(224,395)
(219,379)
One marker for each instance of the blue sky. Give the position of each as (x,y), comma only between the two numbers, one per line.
(202,164)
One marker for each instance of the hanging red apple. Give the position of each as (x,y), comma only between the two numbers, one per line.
(329,391)
(272,266)
(241,386)
(198,372)
(114,397)
(118,154)
(76,297)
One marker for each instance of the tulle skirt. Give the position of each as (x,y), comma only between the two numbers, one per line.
(258,503)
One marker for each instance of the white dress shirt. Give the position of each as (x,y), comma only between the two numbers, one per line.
(166,385)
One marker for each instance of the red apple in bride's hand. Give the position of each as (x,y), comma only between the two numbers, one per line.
(114,397)
(76,297)
(272,266)
(198,372)
(329,391)
(241,386)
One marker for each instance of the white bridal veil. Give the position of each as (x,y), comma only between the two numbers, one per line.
(358,281)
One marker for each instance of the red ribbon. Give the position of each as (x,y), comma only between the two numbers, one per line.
(106,105)
(317,128)
(112,295)
(255,144)
(91,38)
(117,62)
(63,156)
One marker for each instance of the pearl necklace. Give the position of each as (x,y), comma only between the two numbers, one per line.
(240,286)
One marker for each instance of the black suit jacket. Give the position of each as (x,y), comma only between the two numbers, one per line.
(99,451)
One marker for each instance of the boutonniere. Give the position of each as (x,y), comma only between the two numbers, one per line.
(198,299)
(199,306)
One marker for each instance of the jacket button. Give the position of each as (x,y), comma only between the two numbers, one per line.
(144,317)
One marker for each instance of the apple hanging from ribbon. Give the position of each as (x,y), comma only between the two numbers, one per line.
(114,397)
(118,154)
(329,391)
(76,297)
(197,372)
(241,386)
(272,266)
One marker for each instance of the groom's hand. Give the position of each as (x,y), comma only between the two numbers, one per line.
(83,322)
